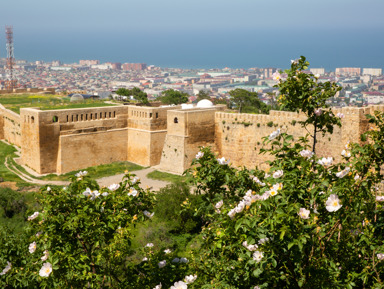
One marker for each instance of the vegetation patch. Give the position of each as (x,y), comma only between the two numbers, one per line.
(166,177)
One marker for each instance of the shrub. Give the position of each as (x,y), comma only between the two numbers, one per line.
(12,202)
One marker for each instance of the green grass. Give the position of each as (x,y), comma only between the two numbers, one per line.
(7,151)
(98,171)
(167,177)
(45,102)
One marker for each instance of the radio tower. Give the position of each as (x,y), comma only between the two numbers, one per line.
(11,81)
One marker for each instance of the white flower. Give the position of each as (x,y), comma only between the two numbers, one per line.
(276,76)
(94,195)
(250,247)
(7,268)
(325,161)
(158,286)
(167,251)
(32,247)
(343,173)
(135,180)
(321,193)
(223,161)
(256,180)
(306,153)
(380,256)
(183,260)
(232,213)
(33,216)
(176,260)
(346,153)
(162,264)
(190,279)
(340,115)
(219,204)
(317,75)
(379,198)
(333,203)
(113,187)
(318,111)
(145,259)
(179,285)
(87,192)
(81,174)
(132,192)
(199,155)
(275,134)
(45,256)
(356,177)
(257,256)
(148,214)
(304,213)
(38,234)
(45,270)
(149,245)
(263,240)
(277,174)
(48,189)
(105,194)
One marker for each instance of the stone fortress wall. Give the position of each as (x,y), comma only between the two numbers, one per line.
(60,141)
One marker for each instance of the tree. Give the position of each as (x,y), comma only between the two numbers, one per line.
(203,95)
(135,92)
(248,101)
(171,96)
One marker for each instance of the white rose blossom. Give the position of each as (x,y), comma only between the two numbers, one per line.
(223,161)
(46,270)
(7,268)
(113,187)
(132,192)
(276,76)
(135,180)
(379,198)
(304,213)
(346,153)
(333,203)
(380,256)
(179,285)
(257,256)
(167,251)
(250,247)
(274,135)
(343,173)
(45,256)
(162,264)
(81,174)
(325,161)
(149,245)
(340,115)
(277,174)
(32,247)
(190,279)
(306,154)
(199,155)
(33,216)
(158,286)
(219,204)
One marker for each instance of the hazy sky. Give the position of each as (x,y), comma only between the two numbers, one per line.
(88,15)
(68,22)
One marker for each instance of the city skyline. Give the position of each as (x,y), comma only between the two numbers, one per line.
(199,34)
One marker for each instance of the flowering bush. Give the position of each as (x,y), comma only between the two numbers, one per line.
(308,222)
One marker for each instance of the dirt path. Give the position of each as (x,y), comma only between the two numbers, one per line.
(155,185)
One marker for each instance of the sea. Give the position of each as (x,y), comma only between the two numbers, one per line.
(207,48)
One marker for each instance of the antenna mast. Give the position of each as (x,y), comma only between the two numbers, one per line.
(11,81)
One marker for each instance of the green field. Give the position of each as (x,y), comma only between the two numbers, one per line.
(167,177)
(45,102)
